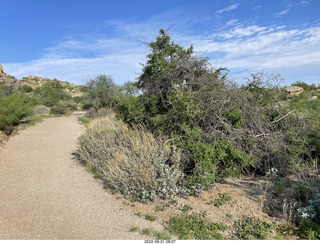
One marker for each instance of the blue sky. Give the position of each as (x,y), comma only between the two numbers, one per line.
(74,40)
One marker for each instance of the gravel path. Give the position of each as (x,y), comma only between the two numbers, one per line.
(46,194)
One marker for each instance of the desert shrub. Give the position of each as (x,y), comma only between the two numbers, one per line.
(279,188)
(93,113)
(308,215)
(310,230)
(101,91)
(79,99)
(212,162)
(252,229)
(86,105)
(312,210)
(51,93)
(310,111)
(136,110)
(235,128)
(131,160)
(13,109)
(63,108)
(6,90)
(25,89)
(41,109)
(305,86)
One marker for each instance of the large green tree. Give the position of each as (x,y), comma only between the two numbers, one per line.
(101,91)
(169,66)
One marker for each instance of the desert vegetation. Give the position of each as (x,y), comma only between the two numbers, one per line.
(181,129)
(184,126)
(23,104)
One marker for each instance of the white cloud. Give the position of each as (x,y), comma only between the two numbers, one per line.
(227,9)
(305,2)
(283,12)
(77,70)
(239,47)
(265,48)
(232,22)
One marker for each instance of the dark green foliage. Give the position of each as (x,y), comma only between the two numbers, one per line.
(252,229)
(13,109)
(279,188)
(222,129)
(101,91)
(79,99)
(51,93)
(310,110)
(25,89)
(63,108)
(215,161)
(6,90)
(235,117)
(194,227)
(310,230)
(86,105)
(135,110)
(165,56)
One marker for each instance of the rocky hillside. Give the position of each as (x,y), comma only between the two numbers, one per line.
(35,81)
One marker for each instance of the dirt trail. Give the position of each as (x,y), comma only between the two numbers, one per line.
(45,193)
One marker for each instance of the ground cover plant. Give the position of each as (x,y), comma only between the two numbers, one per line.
(188,227)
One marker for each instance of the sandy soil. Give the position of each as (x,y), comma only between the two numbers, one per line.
(46,194)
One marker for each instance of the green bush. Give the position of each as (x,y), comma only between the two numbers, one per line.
(279,188)
(63,108)
(51,94)
(135,110)
(235,128)
(101,91)
(215,161)
(235,117)
(310,230)
(252,229)
(25,89)
(13,109)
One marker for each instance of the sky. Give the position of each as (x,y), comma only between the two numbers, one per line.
(76,40)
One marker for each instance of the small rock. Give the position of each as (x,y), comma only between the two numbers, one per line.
(312,98)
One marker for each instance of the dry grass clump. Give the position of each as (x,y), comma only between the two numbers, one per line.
(41,109)
(131,160)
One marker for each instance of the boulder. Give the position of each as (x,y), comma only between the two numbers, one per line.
(1,69)
(294,90)
(312,98)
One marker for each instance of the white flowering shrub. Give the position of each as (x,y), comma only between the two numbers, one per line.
(312,210)
(131,160)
